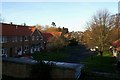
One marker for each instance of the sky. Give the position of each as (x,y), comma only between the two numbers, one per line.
(72,15)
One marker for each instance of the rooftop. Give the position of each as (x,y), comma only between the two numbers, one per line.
(13,30)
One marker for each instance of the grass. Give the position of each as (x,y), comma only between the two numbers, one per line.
(49,56)
(99,63)
(93,76)
(102,64)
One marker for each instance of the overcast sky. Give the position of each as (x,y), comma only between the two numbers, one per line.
(72,15)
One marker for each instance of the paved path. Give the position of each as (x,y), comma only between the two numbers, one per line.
(77,54)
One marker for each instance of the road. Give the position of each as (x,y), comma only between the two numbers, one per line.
(77,54)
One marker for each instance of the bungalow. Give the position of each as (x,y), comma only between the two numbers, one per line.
(18,40)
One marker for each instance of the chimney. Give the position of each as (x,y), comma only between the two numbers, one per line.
(11,23)
(24,24)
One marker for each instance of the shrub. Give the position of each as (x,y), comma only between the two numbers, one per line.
(41,71)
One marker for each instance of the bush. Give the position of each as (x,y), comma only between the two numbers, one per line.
(73,42)
(41,71)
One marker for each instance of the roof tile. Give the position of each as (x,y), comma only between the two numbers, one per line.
(16,30)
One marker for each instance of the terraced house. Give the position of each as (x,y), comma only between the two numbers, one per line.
(18,40)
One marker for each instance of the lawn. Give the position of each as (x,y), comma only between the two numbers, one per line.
(101,64)
(50,56)
(92,76)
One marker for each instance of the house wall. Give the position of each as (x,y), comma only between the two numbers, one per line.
(11,45)
(24,70)
(38,39)
(16,42)
(15,69)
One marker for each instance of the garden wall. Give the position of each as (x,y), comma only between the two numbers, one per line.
(21,68)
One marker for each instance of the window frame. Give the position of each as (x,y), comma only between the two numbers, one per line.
(26,38)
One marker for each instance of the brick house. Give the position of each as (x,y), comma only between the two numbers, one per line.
(47,36)
(18,40)
(51,39)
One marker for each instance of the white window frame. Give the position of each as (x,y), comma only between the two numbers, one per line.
(4,50)
(26,48)
(20,51)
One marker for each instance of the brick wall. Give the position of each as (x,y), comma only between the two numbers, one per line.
(16,69)
(22,69)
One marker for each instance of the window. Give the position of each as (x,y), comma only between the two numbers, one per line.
(26,47)
(3,39)
(37,37)
(20,38)
(15,38)
(26,38)
(3,51)
(41,39)
(20,48)
(33,38)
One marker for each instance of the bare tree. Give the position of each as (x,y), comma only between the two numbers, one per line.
(100,27)
(39,27)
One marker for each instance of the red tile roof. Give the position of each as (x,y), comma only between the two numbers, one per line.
(118,49)
(19,30)
(47,36)
(56,33)
(116,43)
(15,30)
